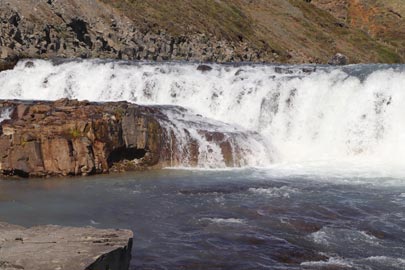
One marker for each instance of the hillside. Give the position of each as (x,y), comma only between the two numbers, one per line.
(284,31)
(383,20)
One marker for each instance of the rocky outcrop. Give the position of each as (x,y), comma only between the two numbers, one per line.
(338,60)
(64,248)
(70,137)
(85,29)
(77,138)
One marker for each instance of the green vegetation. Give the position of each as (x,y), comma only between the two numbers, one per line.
(217,17)
(75,133)
(388,56)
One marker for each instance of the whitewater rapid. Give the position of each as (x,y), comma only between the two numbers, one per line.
(5,114)
(304,114)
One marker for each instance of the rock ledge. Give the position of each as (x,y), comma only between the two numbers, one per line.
(64,248)
(70,137)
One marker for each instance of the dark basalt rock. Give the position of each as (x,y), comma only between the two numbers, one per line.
(204,68)
(338,60)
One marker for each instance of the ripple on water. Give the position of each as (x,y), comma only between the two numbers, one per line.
(331,263)
(223,221)
(340,237)
(384,262)
(275,192)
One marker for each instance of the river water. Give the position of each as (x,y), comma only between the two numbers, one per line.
(230,219)
(319,182)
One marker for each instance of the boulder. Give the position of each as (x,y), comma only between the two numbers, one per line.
(204,68)
(338,60)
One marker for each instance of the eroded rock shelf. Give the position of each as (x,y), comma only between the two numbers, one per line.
(64,248)
(68,137)
(80,138)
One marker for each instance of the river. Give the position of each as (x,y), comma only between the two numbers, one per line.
(318,183)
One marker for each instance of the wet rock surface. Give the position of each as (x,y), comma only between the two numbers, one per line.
(64,248)
(71,138)
(68,137)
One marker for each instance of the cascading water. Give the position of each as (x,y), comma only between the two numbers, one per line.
(5,114)
(284,114)
(218,145)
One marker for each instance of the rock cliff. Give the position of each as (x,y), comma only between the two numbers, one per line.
(291,31)
(74,138)
(70,137)
(77,28)
(64,248)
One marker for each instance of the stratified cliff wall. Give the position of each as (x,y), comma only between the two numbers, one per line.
(77,138)
(70,137)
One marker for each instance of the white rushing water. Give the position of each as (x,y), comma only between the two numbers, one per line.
(304,114)
(5,114)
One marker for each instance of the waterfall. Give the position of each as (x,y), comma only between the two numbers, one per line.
(281,113)
(5,114)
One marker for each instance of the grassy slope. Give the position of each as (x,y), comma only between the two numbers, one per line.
(221,18)
(294,29)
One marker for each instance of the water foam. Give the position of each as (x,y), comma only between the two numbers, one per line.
(351,115)
(224,221)
(332,262)
(5,114)
(281,192)
(390,261)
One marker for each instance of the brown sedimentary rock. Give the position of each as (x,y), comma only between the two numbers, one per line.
(68,137)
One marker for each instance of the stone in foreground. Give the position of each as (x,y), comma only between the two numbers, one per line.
(64,248)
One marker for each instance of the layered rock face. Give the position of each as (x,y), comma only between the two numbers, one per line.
(70,137)
(77,138)
(64,248)
(76,28)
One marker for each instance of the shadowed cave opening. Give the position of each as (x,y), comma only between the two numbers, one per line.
(16,172)
(124,153)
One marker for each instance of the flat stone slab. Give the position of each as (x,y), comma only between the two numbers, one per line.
(64,248)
